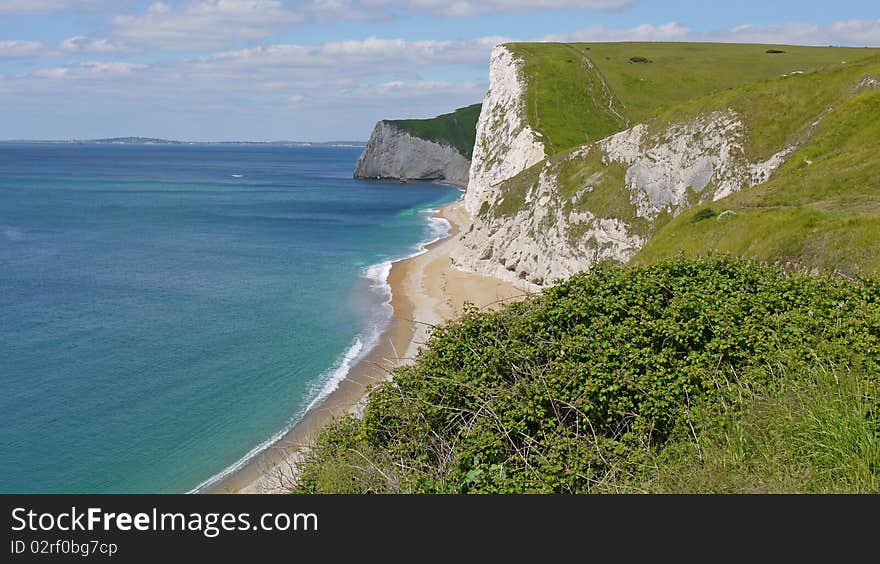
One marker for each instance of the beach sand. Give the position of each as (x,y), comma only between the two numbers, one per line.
(426,290)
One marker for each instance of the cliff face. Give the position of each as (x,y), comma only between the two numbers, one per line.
(541,217)
(395,154)
(506,144)
(602,200)
(639,151)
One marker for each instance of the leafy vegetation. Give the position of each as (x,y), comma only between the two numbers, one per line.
(715,374)
(705,213)
(458,129)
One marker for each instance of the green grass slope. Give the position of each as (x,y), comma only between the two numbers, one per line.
(690,375)
(581,92)
(458,129)
(821,209)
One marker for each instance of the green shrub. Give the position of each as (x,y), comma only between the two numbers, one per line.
(602,382)
(703,214)
(484,209)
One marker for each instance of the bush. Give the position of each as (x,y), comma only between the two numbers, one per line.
(596,384)
(705,213)
(484,209)
(640,60)
(774,51)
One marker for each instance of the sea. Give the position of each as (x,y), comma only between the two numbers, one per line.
(166,311)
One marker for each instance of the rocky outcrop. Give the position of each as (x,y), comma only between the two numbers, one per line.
(393,153)
(543,241)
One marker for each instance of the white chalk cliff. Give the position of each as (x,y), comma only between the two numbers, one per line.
(506,144)
(393,153)
(550,232)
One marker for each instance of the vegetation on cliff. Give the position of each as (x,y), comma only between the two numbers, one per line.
(457,129)
(688,370)
(803,154)
(705,375)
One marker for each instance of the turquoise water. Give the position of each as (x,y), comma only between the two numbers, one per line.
(164,310)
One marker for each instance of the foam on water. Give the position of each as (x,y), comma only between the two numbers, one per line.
(332,378)
(328,382)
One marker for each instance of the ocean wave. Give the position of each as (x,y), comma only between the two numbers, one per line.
(329,381)
(377,274)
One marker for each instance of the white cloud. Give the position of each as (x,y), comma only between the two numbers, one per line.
(33,7)
(851,32)
(212,24)
(866,32)
(350,58)
(204,24)
(646,32)
(80,44)
(382,9)
(19,49)
(469,8)
(400,88)
(15,49)
(91,70)
(321,72)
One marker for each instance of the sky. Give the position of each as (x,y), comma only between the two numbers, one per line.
(322,70)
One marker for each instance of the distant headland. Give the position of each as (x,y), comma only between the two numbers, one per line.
(159,141)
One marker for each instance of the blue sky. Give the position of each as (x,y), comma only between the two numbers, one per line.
(326,69)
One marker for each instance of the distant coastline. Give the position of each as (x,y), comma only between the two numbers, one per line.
(159,141)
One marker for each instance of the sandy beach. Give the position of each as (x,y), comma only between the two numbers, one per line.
(426,290)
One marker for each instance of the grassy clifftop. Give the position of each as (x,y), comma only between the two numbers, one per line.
(458,128)
(581,92)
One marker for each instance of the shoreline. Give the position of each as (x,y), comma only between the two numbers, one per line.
(425,290)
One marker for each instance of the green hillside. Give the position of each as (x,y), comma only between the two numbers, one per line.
(821,209)
(581,92)
(458,129)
